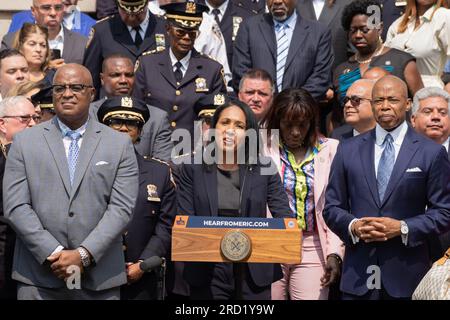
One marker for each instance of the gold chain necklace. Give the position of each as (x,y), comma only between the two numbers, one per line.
(376,53)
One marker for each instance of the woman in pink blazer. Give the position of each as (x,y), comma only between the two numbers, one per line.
(303,158)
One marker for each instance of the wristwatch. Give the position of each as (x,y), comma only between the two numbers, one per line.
(85,259)
(404,230)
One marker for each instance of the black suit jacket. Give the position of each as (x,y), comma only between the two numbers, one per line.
(148,233)
(197,195)
(342,133)
(330,17)
(231,16)
(254,7)
(309,61)
(111,36)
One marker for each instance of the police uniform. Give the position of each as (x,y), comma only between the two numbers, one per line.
(149,232)
(255,6)
(111,36)
(44,99)
(155,79)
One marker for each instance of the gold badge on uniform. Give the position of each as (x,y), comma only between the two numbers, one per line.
(90,37)
(190,7)
(127,102)
(160,41)
(200,85)
(136,66)
(152,194)
(236,23)
(219,99)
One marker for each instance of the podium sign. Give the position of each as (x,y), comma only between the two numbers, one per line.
(220,239)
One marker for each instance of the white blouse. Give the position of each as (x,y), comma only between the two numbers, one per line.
(429,43)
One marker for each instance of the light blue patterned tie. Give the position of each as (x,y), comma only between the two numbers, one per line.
(74,150)
(282,52)
(385,165)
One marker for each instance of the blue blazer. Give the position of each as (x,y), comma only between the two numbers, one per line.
(421,199)
(86,22)
(197,195)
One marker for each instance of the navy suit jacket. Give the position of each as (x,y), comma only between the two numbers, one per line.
(197,195)
(421,199)
(310,56)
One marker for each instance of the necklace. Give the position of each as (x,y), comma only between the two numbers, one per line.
(376,53)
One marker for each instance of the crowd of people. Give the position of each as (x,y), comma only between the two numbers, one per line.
(349,100)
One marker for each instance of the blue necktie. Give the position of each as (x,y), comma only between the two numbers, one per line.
(385,165)
(282,52)
(74,150)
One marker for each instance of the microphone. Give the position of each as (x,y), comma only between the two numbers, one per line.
(151,264)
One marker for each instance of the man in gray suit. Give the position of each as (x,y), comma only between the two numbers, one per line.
(70,185)
(69,45)
(296,52)
(117,79)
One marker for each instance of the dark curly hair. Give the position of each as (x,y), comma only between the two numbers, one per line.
(355,8)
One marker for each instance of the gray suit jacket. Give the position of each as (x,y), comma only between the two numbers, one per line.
(330,17)
(74,45)
(155,138)
(46,211)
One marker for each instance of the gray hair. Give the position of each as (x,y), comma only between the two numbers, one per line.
(429,92)
(8,105)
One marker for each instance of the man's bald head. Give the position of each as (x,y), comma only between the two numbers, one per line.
(390,102)
(357,108)
(75,70)
(375,73)
(72,94)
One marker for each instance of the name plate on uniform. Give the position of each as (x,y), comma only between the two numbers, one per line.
(250,240)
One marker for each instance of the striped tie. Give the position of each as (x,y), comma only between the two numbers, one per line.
(282,52)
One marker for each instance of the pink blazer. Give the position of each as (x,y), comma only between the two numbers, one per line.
(328,240)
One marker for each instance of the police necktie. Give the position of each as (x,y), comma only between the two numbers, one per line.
(282,52)
(178,73)
(137,38)
(385,165)
(216,13)
(74,150)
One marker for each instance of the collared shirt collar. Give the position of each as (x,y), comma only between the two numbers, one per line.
(65,129)
(143,25)
(398,134)
(446,143)
(289,22)
(184,61)
(221,8)
(60,36)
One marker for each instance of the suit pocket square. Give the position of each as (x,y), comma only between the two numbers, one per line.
(416,169)
(101,163)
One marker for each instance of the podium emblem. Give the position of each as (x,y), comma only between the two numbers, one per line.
(235,245)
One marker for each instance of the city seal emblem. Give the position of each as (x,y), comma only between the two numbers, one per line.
(235,245)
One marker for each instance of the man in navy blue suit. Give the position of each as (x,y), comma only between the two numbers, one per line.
(389,191)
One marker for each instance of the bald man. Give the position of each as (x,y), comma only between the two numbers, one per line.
(358,113)
(69,243)
(388,193)
(375,73)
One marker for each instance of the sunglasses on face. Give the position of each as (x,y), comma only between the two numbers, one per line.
(354,100)
(181,33)
(117,124)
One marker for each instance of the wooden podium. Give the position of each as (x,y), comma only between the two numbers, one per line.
(252,240)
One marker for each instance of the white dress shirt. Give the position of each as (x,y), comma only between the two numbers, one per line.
(143,30)
(184,62)
(222,8)
(318,7)
(446,143)
(58,42)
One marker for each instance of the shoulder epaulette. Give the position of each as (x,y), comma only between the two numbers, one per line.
(105,18)
(184,155)
(158,160)
(146,53)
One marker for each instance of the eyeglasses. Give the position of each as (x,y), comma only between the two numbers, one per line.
(180,33)
(74,88)
(354,100)
(48,7)
(116,124)
(26,118)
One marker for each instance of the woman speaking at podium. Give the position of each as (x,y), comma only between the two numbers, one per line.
(232,181)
